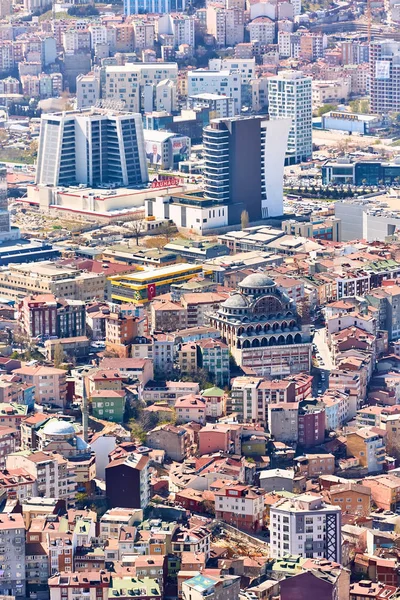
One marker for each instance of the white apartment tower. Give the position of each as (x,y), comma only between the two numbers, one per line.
(384,63)
(289,95)
(91,147)
(306,526)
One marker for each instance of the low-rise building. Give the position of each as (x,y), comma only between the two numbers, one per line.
(241,506)
(368,448)
(353,498)
(108,405)
(190,408)
(200,587)
(214,358)
(174,440)
(95,585)
(50,384)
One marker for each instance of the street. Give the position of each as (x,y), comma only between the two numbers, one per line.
(324,360)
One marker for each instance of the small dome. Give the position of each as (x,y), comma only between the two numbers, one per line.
(257,280)
(55,427)
(235,301)
(81,444)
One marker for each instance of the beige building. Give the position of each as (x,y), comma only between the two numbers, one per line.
(50,384)
(54,477)
(128,83)
(187,358)
(47,277)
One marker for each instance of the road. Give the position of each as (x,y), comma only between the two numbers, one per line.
(325,362)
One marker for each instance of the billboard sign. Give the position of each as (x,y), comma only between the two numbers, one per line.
(154,153)
(180,148)
(382,69)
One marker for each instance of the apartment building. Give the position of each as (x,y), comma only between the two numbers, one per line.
(190,408)
(384,76)
(289,95)
(348,382)
(54,476)
(136,84)
(50,384)
(251,397)
(87,90)
(202,587)
(305,526)
(167,316)
(352,498)
(368,447)
(222,82)
(175,441)
(314,465)
(214,359)
(12,552)
(45,316)
(127,482)
(46,277)
(115,518)
(69,585)
(8,439)
(241,506)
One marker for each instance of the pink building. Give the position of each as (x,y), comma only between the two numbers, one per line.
(213,438)
(50,384)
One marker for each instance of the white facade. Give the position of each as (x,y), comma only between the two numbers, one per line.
(181,27)
(98,35)
(222,82)
(305,526)
(127,82)
(246,67)
(222,106)
(262,29)
(289,95)
(191,217)
(274,143)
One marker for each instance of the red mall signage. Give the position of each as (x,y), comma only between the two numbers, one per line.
(163,183)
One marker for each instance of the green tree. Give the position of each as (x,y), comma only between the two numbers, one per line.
(137,431)
(325,108)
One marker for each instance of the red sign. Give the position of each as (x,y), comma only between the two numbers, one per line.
(151,291)
(163,183)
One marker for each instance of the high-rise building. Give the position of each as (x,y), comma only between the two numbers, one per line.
(289,95)
(243,165)
(305,526)
(384,63)
(92,147)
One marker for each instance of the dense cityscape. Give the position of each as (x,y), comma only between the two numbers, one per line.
(200,300)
